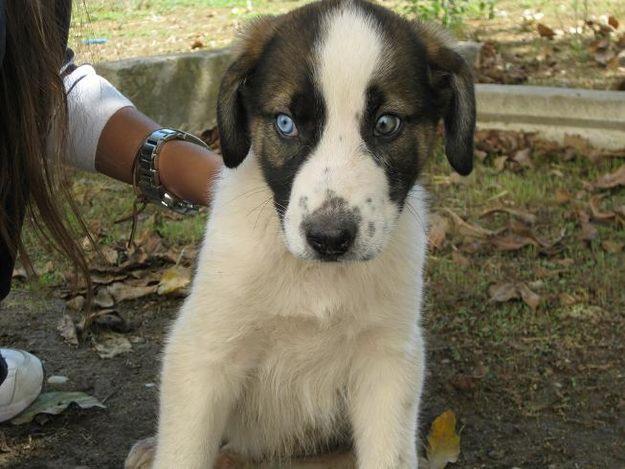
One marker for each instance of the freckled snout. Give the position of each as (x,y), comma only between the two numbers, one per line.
(331,230)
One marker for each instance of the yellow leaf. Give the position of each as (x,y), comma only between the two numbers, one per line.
(174,281)
(443,441)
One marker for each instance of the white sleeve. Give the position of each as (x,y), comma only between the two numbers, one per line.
(91,102)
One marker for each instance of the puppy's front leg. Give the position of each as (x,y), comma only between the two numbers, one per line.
(384,397)
(198,390)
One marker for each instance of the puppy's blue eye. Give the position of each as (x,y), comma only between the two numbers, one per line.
(285,125)
(387,125)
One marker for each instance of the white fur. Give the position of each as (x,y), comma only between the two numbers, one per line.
(272,352)
(349,56)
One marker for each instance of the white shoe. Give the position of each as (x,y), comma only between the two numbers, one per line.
(22,384)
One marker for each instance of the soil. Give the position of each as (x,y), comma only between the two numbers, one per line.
(517,414)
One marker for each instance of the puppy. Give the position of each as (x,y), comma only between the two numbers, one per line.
(302,330)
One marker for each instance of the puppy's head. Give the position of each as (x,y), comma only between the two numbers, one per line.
(339,101)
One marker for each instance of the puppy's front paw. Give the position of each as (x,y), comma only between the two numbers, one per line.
(141,454)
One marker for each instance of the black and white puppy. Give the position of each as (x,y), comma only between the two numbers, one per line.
(302,329)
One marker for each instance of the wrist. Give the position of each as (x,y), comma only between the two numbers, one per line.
(187,170)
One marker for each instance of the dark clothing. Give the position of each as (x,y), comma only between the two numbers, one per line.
(4,369)
(63,10)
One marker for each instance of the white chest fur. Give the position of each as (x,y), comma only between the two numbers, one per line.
(291,331)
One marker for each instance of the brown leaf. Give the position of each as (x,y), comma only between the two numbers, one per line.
(604,56)
(579,144)
(463,382)
(500,293)
(612,21)
(111,344)
(110,255)
(106,278)
(563,196)
(523,157)
(76,303)
(67,329)
(613,247)
(545,31)
(611,180)
(522,215)
(511,242)
(197,44)
(103,298)
(122,292)
(20,273)
(443,441)
(500,163)
(589,232)
(438,231)
(459,259)
(530,298)
(467,229)
(595,210)
(175,280)
(211,138)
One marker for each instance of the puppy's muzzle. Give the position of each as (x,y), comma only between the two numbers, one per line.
(331,230)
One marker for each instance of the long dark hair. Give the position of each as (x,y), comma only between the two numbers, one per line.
(33,129)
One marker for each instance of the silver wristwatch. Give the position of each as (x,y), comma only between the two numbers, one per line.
(146,174)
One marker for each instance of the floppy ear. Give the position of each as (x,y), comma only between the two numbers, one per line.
(452,79)
(232,115)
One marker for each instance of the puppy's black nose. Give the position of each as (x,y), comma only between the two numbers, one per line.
(331,239)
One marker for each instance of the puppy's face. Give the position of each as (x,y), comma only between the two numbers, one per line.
(339,100)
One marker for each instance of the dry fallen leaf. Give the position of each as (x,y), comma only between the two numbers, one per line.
(459,259)
(530,298)
(613,247)
(612,21)
(611,180)
(438,231)
(503,292)
(175,280)
(595,210)
(522,215)
(197,44)
(500,293)
(443,441)
(76,304)
(500,163)
(103,298)
(589,232)
(563,196)
(111,344)
(467,229)
(122,292)
(67,329)
(511,242)
(545,31)
(523,157)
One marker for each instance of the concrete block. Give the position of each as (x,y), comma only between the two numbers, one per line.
(553,113)
(181,91)
(175,90)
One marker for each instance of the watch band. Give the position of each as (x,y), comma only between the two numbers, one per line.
(146,174)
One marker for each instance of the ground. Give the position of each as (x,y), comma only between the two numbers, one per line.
(525,315)
(535,381)
(581,54)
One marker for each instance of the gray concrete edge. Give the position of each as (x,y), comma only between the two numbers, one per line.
(180,90)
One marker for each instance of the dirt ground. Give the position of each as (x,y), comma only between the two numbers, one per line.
(537,423)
